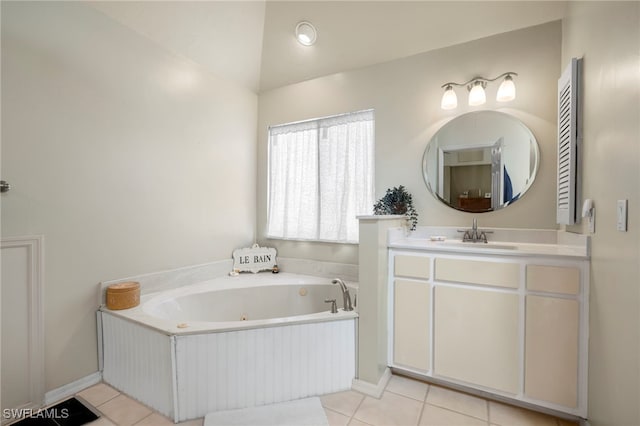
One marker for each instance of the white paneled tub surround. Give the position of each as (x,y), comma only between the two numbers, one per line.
(231,342)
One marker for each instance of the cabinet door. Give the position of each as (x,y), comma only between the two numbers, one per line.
(551,350)
(476,337)
(411,324)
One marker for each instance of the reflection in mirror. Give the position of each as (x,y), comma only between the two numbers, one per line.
(481,161)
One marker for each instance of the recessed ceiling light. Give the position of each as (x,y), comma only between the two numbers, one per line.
(306,33)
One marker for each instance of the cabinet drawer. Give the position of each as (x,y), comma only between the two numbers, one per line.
(478,272)
(554,279)
(412,266)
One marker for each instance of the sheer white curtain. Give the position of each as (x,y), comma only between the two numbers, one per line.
(321,177)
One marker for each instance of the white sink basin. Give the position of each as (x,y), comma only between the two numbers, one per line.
(489,245)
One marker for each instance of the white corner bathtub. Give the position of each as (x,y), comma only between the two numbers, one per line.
(230,342)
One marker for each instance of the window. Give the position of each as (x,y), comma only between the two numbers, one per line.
(321,177)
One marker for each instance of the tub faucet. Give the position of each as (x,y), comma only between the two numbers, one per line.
(346,297)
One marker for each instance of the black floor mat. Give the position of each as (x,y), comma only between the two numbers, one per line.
(67,413)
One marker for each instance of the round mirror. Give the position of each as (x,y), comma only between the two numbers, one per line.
(481,161)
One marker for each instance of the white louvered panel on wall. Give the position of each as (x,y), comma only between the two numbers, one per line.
(568,144)
(221,371)
(137,361)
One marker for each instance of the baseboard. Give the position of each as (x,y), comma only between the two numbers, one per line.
(72,388)
(371,389)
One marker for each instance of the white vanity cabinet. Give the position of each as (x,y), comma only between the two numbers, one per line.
(511,325)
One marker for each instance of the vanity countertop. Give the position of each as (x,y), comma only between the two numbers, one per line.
(554,244)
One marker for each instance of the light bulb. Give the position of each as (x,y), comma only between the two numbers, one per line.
(449,99)
(507,90)
(306,33)
(477,95)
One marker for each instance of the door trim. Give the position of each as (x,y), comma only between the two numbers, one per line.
(35,256)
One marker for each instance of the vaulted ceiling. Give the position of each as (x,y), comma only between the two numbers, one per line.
(252,42)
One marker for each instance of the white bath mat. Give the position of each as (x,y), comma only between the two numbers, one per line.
(302,412)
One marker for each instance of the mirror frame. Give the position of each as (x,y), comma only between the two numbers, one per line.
(534,149)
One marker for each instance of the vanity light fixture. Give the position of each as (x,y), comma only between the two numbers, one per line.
(306,33)
(476,93)
(449,99)
(476,86)
(507,90)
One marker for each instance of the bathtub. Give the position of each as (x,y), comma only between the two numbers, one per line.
(230,342)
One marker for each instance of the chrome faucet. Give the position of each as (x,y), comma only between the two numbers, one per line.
(346,297)
(473,236)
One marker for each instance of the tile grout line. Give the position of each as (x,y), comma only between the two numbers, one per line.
(457,412)
(126,396)
(108,418)
(424,404)
(328,409)
(460,412)
(77,394)
(108,400)
(488,412)
(148,415)
(97,407)
(421,413)
(103,413)
(405,396)
(353,416)
(153,411)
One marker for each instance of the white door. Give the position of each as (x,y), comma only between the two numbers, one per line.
(497,176)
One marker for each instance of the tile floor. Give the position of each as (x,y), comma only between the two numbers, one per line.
(405,402)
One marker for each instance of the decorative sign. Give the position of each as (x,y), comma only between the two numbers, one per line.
(254,259)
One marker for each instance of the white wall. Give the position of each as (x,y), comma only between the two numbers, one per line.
(607,35)
(128,159)
(406,95)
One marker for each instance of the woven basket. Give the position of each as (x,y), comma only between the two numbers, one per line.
(123,295)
